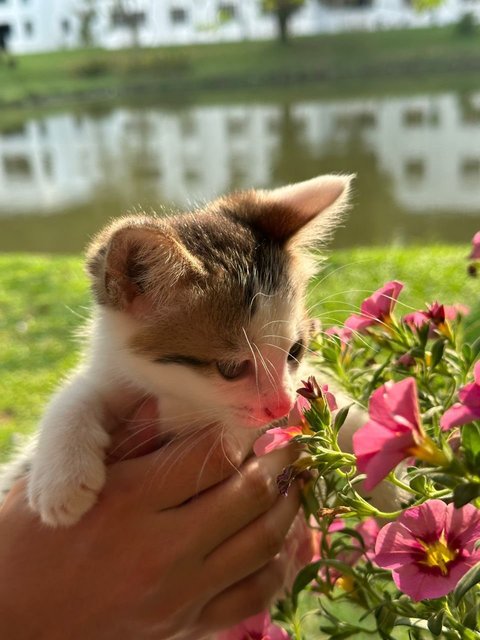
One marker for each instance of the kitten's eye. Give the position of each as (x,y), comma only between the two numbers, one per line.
(232,370)
(296,352)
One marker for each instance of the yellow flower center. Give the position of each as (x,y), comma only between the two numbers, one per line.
(426,450)
(438,554)
(346,583)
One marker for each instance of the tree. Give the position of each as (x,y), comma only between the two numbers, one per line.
(129,17)
(86,16)
(283,11)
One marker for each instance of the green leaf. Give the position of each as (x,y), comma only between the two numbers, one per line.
(353,534)
(423,334)
(344,634)
(476,348)
(471,443)
(438,348)
(306,575)
(465,493)
(435,623)
(443,479)
(467,354)
(343,568)
(340,418)
(419,484)
(417,352)
(471,619)
(385,620)
(469,580)
(416,623)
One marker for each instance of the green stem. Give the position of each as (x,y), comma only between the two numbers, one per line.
(398,483)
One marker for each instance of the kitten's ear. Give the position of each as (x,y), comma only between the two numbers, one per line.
(308,211)
(137,262)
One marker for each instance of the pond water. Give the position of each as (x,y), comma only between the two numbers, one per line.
(417,158)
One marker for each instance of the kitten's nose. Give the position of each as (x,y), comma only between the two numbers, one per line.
(278,408)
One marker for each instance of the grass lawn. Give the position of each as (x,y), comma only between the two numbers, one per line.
(44,302)
(356,57)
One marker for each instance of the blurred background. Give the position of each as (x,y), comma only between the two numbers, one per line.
(110,106)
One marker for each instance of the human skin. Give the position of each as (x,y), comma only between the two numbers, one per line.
(178,546)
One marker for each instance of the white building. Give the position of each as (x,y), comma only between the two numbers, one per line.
(43,25)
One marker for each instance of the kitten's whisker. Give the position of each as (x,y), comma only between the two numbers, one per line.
(273,322)
(259,293)
(340,268)
(181,446)
(132,435)
(128,453)
(275,346)
(202,414)
(232,435)
(267,371)
(276,335)
(209,454)
(255,364)
(273,367)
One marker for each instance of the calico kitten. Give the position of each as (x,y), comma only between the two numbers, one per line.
(205,311)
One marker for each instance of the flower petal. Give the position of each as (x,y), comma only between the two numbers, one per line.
(358,322)
(426,521)
(476,373)
(296,416)
(259,626)
(275,438)
(393,400)
(457,415)
(475,254)
(422,582)
(385,461)
(462,526)
(382,301)
(395,546)
(469,395)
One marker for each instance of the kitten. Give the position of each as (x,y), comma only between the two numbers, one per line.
(205,311)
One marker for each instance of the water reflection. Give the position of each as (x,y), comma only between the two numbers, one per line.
(418,161)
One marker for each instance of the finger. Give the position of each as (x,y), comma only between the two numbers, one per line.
(299,547)
(138,435)
(255,545)
(248,597)
(182,468)
(245,496)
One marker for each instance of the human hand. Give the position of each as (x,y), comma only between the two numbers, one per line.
(178,546)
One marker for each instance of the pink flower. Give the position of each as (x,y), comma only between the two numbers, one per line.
(436,314)
(344,333)
(393,433)
(475,254)
(368,529)
(259,627)
(296,417)
(280,436)
(454,310)
(406,360)
(429,548)
(275,438)
(468,408)
(312,391)
(377,308)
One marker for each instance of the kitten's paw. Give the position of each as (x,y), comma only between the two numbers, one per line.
(62,501)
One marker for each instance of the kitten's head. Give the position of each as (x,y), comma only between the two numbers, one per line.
(209,306)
